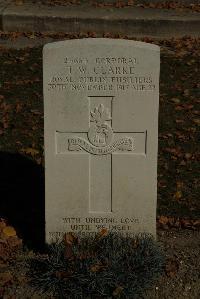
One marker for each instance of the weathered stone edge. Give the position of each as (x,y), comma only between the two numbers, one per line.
(3,5)
(164,25)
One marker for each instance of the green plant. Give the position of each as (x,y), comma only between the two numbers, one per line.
(105,266)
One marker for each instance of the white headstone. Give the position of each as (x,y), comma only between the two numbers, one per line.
(101,100)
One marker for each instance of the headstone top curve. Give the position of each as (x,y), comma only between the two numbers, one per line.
(101,41)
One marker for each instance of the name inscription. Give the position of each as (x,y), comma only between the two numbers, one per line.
(102,74)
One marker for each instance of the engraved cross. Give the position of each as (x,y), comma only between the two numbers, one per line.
(100,143)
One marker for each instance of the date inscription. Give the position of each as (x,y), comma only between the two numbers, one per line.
(102,74)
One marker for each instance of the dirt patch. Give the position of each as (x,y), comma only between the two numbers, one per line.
(182,252)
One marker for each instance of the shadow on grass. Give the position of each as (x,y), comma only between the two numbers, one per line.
(22,197)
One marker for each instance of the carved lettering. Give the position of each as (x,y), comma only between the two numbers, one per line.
(78,143)
(107,74)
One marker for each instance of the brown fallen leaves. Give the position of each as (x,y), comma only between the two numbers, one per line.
(178,195)
(171,5)
(97,267)
(21,82)
(19,2)
(171,267)
(9,242)
(117,291)
(165,222)
(180,47)
(116,4)
(178,151)
(9,246)
(178,5)
(30,151)
(70,239)
(156,5)
(58,2)
(4,114)
(5,279)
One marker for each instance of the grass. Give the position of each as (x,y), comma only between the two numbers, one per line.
(106,266)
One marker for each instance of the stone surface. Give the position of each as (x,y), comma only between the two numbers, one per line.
(3,5)
(101,132)
(129,21)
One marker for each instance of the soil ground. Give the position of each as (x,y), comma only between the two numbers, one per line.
(181,280)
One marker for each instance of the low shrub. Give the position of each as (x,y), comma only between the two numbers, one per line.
(105,266)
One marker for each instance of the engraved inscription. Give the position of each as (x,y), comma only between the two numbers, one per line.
(100,136)
(78,144)
(106,74)
(90,226)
